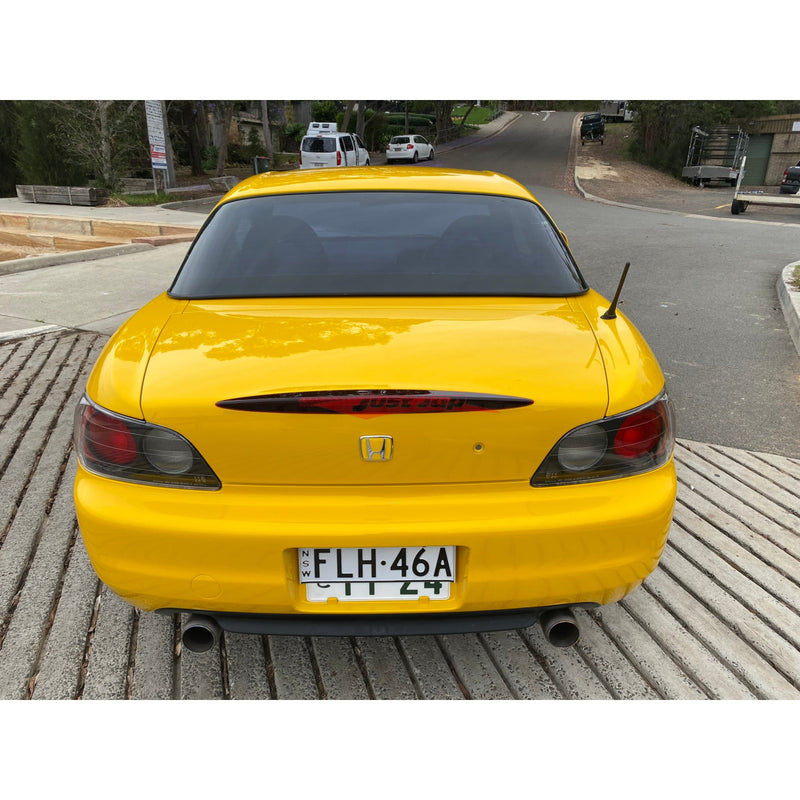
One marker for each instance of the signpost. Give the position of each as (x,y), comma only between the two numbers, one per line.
(160,158)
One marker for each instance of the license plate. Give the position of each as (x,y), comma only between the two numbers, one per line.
(376,564)
(371,590)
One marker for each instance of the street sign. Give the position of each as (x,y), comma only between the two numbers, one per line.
(155,133)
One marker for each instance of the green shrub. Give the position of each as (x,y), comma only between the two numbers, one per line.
(210,155)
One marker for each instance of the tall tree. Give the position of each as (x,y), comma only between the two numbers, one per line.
(348,112)
(223,112)
(103,135)
(443,110)
(267,131)
(43,155)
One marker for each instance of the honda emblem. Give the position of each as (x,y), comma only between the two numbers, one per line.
(376,448)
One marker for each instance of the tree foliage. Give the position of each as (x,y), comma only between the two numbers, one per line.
(9,141)
(662,128)
(43,155)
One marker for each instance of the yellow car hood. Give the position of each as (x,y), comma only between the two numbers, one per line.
(540,349)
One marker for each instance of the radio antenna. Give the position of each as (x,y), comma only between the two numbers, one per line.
(612,310)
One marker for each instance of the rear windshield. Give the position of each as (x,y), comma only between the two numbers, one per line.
(399,140)
(319,144)
(339,244)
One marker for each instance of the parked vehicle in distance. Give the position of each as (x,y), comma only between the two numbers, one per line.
(593,129)
(325,146)
(616,111)
(791,180)
(375,402)
(409,147)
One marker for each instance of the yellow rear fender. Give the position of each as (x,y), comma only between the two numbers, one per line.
(633,374)
(116,379)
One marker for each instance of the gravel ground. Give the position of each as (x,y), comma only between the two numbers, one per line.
(604,172)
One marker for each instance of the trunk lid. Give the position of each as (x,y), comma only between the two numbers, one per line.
(542,350)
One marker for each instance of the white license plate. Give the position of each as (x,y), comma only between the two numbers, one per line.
(403,590)
(376,564)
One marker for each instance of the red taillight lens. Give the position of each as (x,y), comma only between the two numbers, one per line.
(409,147)
(639,434)
(338,158)
(109,438)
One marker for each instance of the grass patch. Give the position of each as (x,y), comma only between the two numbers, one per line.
(151,199)
(479,115)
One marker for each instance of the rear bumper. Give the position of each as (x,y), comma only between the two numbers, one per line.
(235,551)
(374,624)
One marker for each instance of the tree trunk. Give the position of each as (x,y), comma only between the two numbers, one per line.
(103,107)
(267,132)
(444,123)
(464,118)
(348,112)
(225,135)
(361,118)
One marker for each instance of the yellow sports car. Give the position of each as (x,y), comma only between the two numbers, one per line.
(375,402)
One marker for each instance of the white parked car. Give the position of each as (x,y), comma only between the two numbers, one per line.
(411,147)
(325,146)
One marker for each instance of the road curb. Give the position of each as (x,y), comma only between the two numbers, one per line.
(790,302)
(39,262)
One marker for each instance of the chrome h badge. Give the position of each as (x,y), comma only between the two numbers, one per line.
(376,448)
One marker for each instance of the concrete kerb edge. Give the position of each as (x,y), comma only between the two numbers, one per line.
(39,262)
(790,302)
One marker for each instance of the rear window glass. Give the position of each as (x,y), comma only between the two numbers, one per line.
(378,243)
(399,140)
(319,144)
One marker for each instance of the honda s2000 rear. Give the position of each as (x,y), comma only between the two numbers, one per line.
(375,402)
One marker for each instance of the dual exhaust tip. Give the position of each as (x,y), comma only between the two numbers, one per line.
(201,633)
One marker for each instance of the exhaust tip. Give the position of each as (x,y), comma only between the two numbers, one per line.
(560,627)
(200,634)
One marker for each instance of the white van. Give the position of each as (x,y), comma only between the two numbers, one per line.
(324,146)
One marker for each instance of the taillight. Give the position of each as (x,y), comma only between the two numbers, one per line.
(409,147)
(107,438)
(338,158)
(626,444)
(638,434)
(301,157)
(128,449)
